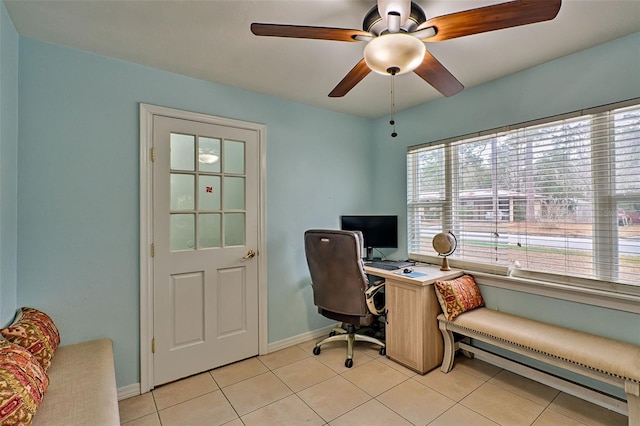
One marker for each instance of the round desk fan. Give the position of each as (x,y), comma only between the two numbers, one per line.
(445,244)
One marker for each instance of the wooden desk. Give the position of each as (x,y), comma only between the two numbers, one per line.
(412,335)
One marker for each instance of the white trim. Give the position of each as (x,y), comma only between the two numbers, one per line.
(263,301)
(572,293)
(129,391)
(588,111)
(134,389)
(607,272)
(461,264)
(146,231)
(301,338)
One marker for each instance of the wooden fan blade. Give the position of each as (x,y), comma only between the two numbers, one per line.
(491,18)
(434,73)
(300,31)
(353,77)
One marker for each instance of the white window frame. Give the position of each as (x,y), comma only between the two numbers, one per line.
(584,290)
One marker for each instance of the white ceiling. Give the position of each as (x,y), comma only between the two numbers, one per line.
(211,40)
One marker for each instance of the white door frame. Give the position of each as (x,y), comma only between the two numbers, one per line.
(146,229)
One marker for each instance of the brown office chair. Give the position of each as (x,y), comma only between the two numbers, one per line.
(341,289)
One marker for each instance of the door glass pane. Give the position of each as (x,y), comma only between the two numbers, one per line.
(234,229)
(209,193)
(233,193)
(182,232)
(209,155)
(234,157)
(209,230)
(182,152)
(182,191)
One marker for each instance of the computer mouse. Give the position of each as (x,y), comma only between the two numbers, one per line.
(407,270)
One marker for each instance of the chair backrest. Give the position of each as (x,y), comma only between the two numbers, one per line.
(337,271)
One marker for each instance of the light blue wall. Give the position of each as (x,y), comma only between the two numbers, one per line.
(8,166)
(604,74)
(77,174)
(78,192)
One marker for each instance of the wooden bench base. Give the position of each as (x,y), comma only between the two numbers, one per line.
(485,326)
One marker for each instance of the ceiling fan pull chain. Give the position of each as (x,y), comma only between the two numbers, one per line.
(393,72)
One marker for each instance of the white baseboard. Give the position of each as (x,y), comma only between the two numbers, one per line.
(300,338)
(134,389)
(128,391)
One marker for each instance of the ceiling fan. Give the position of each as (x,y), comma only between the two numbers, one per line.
(395,32)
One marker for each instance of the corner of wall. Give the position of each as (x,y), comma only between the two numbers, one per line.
(8,166)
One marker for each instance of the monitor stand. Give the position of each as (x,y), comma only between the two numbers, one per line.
(370,257)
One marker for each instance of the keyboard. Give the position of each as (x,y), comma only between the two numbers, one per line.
(389,265)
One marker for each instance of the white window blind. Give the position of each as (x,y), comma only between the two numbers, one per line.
(560,196)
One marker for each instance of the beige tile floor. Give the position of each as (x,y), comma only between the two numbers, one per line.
(294,387)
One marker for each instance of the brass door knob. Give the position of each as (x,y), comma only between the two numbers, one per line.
(250,255)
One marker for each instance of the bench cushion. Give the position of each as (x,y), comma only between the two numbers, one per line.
(82,387)
(595,352)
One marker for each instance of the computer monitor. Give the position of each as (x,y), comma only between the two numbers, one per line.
(378,231)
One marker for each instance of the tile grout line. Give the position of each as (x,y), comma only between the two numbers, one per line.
(337,374)
(471,370)
(226,397)
(293,393)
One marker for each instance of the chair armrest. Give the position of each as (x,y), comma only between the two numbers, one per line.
(369,294)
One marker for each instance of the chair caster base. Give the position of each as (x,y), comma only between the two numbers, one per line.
(348,363)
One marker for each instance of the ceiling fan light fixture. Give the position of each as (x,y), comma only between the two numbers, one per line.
(208,158)
(400,52)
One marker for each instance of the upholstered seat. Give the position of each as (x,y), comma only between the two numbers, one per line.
(588,350)
(610,361)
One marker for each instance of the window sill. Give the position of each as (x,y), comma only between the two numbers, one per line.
(591,292)
(572,293)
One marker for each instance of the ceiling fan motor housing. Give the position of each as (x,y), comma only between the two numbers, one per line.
(374,24)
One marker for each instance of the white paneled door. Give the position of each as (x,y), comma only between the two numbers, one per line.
(205,243)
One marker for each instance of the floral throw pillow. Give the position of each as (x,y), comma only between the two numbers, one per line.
(458,296)
(23,383)
(34,330)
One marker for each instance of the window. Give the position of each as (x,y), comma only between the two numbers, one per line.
(559,196)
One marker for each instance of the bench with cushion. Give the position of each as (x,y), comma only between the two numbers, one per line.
(77,386)
(82,387)
(606,360)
